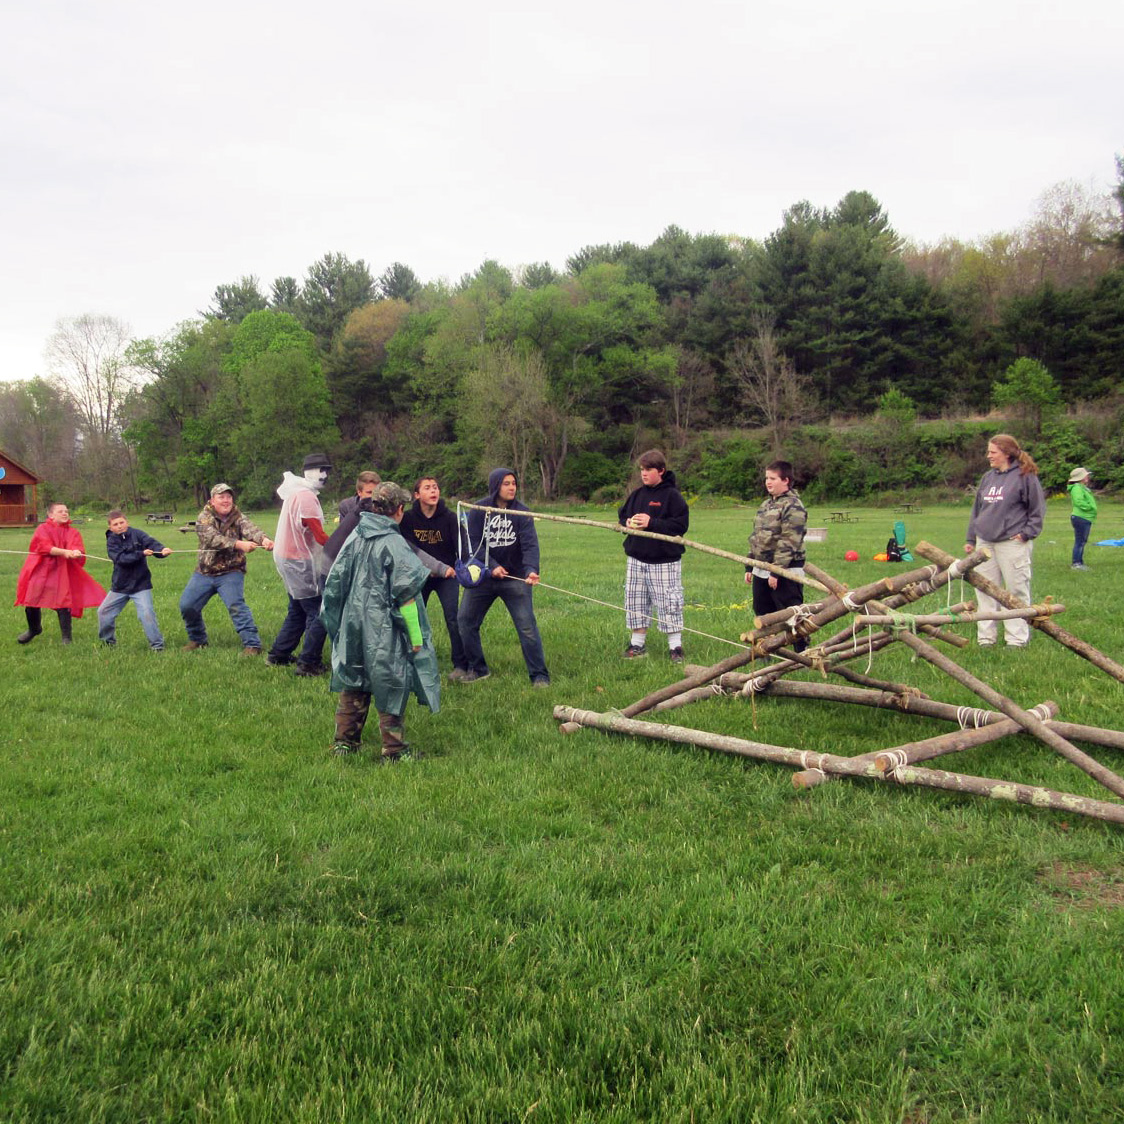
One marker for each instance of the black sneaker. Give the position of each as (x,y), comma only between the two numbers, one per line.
(635,651)
(344,749)
(310,669)
(675,655)
(278,661)
(402,757)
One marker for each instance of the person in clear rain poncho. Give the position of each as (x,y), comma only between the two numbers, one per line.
(298,553)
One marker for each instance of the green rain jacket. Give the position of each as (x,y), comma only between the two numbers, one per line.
(373,575)
(1084,502)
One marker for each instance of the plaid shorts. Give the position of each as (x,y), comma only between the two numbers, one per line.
(653,592)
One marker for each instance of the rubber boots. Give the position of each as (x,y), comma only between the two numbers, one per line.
(64,625)
(34,626)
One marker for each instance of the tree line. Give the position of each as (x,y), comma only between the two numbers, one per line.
(723,350)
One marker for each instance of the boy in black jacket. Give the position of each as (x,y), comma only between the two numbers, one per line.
(432,527)
(129,549)
(653,584)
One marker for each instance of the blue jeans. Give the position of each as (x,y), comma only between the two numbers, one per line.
(111,607)
(303,619)
(516,595)
(201,588)
(448,590)
(1081,529)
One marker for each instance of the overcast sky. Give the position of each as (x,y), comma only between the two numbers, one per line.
(153,151)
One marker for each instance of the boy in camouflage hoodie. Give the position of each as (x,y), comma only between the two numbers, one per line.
(778,537)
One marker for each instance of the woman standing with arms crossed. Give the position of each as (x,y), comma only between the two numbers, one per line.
(1006,519)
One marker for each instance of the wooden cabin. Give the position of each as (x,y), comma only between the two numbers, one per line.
(19,500)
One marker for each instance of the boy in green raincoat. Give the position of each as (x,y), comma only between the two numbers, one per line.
(382,647)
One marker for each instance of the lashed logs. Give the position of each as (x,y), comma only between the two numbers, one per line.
(1033,725)
(1073,643)
(740,747)
(1033,795)
(914,619)
(911,702)
(954,742)
(907,775)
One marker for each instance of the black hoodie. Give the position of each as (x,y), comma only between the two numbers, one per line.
(668,514)
(436,535)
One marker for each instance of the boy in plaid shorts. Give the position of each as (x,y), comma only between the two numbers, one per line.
(653,584)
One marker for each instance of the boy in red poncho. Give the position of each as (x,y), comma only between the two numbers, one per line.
(54,575)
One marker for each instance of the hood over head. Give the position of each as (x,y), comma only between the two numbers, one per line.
(495,478)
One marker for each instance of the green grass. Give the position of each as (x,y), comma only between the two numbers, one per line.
(204,916)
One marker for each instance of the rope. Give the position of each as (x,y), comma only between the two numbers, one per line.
(755,685)
(894,759)
(901,622)
(972,716)
(462,521)
(799,613)
(620,609)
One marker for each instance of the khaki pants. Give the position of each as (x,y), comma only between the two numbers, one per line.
(1008,566)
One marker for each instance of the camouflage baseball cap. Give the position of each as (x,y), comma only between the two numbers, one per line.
(218,489)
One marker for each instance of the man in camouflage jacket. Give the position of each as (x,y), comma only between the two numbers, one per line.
(226,536)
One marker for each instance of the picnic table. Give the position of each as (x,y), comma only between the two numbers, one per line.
(187,527)
(160,517)
(908,508)
(843,517)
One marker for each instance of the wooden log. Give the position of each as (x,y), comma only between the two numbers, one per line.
(731,663)
(741,559)
(881,620)
(922,582)
(1032,795)
(781,616)
(905,703)
(955,742)
(1029,722)
(722,743)
(1050,628)
(1095,735)
(843,672)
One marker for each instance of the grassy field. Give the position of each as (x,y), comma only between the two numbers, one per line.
(204,916)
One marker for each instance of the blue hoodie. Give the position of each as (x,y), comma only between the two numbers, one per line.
(511,543)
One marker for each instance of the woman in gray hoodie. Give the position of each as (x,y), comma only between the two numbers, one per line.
(1006,519)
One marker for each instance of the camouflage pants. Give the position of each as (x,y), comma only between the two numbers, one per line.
(351,717)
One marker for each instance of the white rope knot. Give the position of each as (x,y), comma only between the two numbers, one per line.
(755,686)
(973,716)
(799,613)
(1041,712)
(850,603)
(895,759)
